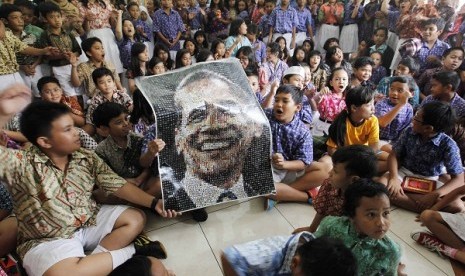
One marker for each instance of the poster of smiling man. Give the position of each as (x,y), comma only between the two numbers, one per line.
(218,140)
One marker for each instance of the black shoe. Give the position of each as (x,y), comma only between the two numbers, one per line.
(144,246)
(200,215)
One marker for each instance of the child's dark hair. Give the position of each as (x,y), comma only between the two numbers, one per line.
(101,72)
(26,4)
(252,29)
(294,61)
(154,61)
(142,108)
(439,115)
(439,22)
(293,90)
(363,187)
(274,48)
(6,9)
(311,42)
(329,41)
(237,5)
(219,6)
(326,256)
(329,55)
(284,53)
(448,78)
(215,44)
(251,72)
(249,53)
(137,36)
(448,51)
(137,265)
(363,61)
(105,112)
(332,75)
(357,96)
(312,54)
(87,44)
(46,8)
(384,29)
(162,47)
(205,41)
(136,49)
(179,55)
(411,64)
(360,160)
(399,79)
(235,26)
(37,119)
(271,1)
(203,55)
(188,39)
(130,4)
(47,79)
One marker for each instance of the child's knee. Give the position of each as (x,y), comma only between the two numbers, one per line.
(428,216)
(136,218)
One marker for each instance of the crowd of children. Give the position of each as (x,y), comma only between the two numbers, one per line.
(360,97)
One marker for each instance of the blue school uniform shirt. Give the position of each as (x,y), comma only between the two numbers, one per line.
(385,84)
(399,123)
(457,103)
(437,50)
(263,26)
(283,21)
(348,9)
(427,157)
(304,19)
(293,140)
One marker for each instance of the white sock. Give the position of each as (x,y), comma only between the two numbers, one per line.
(99,249)
(121,255)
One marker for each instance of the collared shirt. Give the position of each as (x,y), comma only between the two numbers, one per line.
(50,203)
(205,194)
(100,15)
(264,26)
(306,113)
(30,40)
(380,49)
(124,46)
(123,161)
(344,64)
(169,25)
(269,256)
(85,70)
(329,201)
(348,9)
(319,78)
(260,51)
(273,72)
(326,14)
(329,105)
(304,19)
(196,22)
(73,105)
(230,41)
(118,97)
(374,256)
(378,74)
(457,103)
(9,46)
(427,158)
(399,123)
(385,84)
(437,50)
(64,41)
(364,134)
(424,81)
(146,28)
(293,140)
(393,16)
(283,21)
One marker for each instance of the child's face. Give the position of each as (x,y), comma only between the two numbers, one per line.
(338,176)
(163,55)
(190,47)
(315,61)
(166,4)
(232,3)
(363,73)
(15,21)
(403,70)
(282,44)
(134,12)
(372,216)
(405,5)
(337,56)
(397,90)
(379,37)
(301,3)
(243,29)
(243,59)
(54,20)
(128,28)
(186,59)
(307,47)
(119,126)
(106,85)
(64,137)
(376,57)
(51,92)
(200,39)
(150,6)
(220,49)
(269,7)
(180,4)
(285,108)
(159,68)
(192,3)
(430,33)
(143,16)
(295,80)
(417,122)
(97,52)
(339,81)
(308,74)
(251,37)
(28,15)
(300,55)
(284,3)
(365,111)
(453,60)
(241,6)
(437,89)
(144,56)
(253,82)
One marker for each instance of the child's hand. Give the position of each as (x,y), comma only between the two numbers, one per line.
(155,146)
(14,99)
(51,51)
(394,187)
(379,97)
(73,59)
(274,87)
(325,91)
(165,213)
(426,201)
(278,161)
(404,97)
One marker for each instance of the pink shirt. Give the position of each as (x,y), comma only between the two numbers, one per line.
(330,105)
(101,14)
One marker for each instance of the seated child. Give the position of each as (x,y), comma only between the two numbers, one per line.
(121,149)
(350,164)
(105,83)
(292,149)
(443,87)
(252,76)
(446,237)
(299,254)
(364,227)
(362,70)
(379,71)
(394,113)
(67,226)
(380,36)
(50,91)
(423,150)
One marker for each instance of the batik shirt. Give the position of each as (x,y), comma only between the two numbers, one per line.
(100,14)
(9,46)
(283,21)
(457,103)
(329,201)
(119,97)
(399,123)
(85,70)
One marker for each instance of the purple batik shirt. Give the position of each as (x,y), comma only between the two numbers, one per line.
(196,22)
(263,25)
(148,29)
(348,9)
(393,17)
(293,140)
(124,47)
(274,72)
(438,49)
(283,21)
(169,25)
(402,120)
(304,19)
(457,103)
(260,51)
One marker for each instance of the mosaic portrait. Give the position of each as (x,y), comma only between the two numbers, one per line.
(218,140)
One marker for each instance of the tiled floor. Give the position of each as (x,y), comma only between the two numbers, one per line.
(194,248)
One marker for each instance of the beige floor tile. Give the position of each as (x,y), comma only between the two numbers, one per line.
(189,253)
(297,214)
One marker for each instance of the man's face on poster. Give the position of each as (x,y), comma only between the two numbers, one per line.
(217,127)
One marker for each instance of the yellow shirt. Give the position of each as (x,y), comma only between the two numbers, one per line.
(364,134)
(9,46)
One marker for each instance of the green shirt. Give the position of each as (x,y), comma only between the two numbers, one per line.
(374,257)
